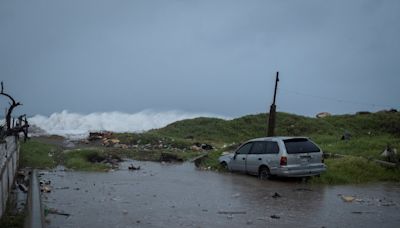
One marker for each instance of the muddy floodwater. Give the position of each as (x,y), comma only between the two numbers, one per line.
(179,195)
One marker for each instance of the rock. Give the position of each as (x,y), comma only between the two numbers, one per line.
(124,146)
(114,141)
(45,189)
(195,148)
(132,167)
(206,147)
(346,136)
(348,199)
(276,195)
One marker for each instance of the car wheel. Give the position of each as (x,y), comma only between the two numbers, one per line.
(224,165)
(264,173)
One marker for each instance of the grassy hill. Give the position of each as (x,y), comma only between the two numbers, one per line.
(370,132)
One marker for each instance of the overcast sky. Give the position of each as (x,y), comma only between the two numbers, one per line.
(200,56)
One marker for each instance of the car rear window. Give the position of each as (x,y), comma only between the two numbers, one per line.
(298,146)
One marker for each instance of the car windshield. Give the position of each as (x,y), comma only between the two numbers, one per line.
(297,146)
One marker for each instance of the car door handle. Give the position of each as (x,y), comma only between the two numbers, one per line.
(244,158)
(259,159)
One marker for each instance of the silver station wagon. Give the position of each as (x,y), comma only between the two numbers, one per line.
(276,156)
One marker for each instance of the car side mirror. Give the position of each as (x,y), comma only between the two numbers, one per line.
(234,156)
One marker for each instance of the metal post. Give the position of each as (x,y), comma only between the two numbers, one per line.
(272,111)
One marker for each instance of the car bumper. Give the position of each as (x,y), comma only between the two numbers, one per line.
(298,171)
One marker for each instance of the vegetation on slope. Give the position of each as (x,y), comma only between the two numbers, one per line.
(370,134)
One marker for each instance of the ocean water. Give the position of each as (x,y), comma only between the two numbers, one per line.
(76,125)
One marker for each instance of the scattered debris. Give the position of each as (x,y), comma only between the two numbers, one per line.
(276,195)
(275,216)
(346,136)
(232,212)
(55,211)
(204,146)
(132,167)
(348,199)
(45,186)
(23,187)
(236,195)
(45,189)
(62,188)
(99,135)
(390,154)
(389,204)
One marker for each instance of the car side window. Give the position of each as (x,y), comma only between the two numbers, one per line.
(272,148)
(244,149)
(259,148)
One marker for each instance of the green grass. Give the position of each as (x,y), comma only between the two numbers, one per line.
(211,161)
(371,133)
(355,170)
(365,146)
(79,160)
(12,221)
(11,218)
(38,155)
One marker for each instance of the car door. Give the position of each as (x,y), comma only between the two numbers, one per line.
(255,157)
(263,153)
(238,162)
(272,158)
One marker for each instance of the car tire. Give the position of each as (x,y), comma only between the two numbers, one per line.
(264,173)
(224,165)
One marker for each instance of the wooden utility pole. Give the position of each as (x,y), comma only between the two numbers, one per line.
(272,111)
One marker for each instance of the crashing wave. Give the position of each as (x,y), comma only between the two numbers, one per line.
(75,125)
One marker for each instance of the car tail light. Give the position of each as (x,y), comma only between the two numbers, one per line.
(283,161)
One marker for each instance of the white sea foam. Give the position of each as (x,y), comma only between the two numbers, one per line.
(74,125)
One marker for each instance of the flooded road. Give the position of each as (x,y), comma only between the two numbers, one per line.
(179,195)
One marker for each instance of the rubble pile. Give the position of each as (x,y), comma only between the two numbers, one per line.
(107,139)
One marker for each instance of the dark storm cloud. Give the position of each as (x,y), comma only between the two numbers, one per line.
(201,56)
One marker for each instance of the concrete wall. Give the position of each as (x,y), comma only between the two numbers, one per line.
(9,156)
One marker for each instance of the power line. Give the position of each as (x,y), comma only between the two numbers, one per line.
(339,100)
